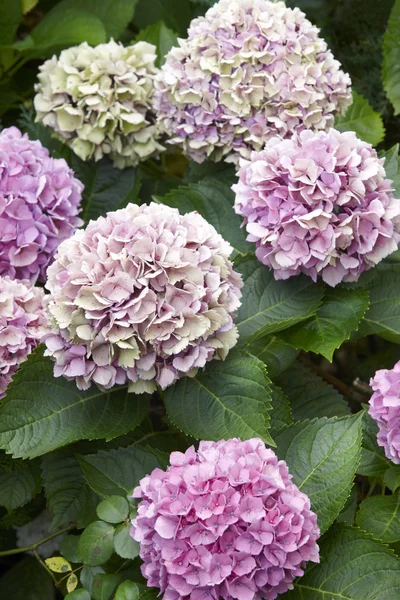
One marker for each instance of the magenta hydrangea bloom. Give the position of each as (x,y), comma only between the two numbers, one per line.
(384,407)
(23,322)
(143,295)
(224,522)
(39,205)
(319,204)
(249,70)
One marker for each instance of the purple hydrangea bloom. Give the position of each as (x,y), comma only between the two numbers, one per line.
(39,205)
(319,204)
(143,295)
(23,322)
(249,70)
(224,522)
(384,407)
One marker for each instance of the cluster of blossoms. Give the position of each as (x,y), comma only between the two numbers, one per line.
(22,325)
(145,295)
(384,407)
(224,522)
(98,100)
(249,70)
(318,204)
(39,205)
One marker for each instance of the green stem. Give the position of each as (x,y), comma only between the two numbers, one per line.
(32,547)
(45,567)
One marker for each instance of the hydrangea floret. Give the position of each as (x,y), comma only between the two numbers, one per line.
(384,408)
(39,205)
(98,100)
(144,295)
(249,70)
(319,204)
(225,522)
(23,323)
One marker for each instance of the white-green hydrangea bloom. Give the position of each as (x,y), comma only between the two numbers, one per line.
(99,101)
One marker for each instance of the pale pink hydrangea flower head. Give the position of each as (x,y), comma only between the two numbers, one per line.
(144,295)
(384,408)
(23,322)
(319,204)
(224,522)
(39,205)
(249,70)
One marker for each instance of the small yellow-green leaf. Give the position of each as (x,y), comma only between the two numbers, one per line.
(27,5)
(72,582)
(58,564)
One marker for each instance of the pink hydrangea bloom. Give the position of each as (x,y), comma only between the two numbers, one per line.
(319,204)
(249,70)
(384,407)
(22,325)
(224,522)
(39,205)
(143,295)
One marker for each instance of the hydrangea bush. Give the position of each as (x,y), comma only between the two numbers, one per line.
(199,300)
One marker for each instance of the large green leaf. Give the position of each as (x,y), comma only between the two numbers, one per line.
(114,14)
(68,496)
(363,119)
(281,414)
(309,395)
(213,199)
(95,545)
(10,18)
(19,486)
(117,472)
(269,305)
(392,167)
(230,398)
(42,413)
(380,515)
(322,456)
(274,352)
(373,461)
(339,315)
(391,58)
(106,188)
(161,37)
(353,567)
(176,14)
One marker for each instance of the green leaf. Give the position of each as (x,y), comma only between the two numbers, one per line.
(69,547)
(42,413)
(87,576)
(71,583)
(339,315)
(274,352)
(114,14)
(380,515)
(106,188)
(27,5)
(352,567)
(309,395)
(19,486)
(213,199)
(392,167)
(113,509)
(391,58)
(363,119)
(25,581)
(281,414)
(104,586)
(78,595)
(176,14)
(124,544)
(64,26)
(128,590)
(348,514)
(161,37)
(117,472)
(322,456)
(373,461)
(392,478)
(10,18)
(383,316)
(69,498)
(269,305)
(95,545)
(229,399)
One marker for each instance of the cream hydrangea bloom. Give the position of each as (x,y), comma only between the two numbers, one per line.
(98,101)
